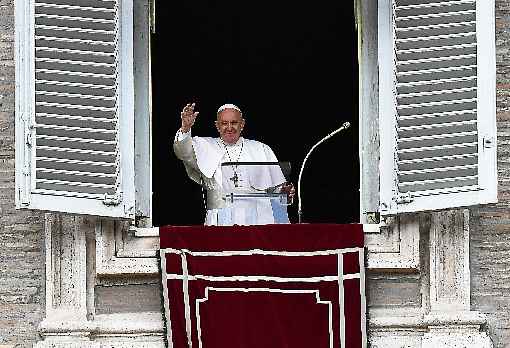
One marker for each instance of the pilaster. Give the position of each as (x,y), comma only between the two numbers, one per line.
(66,323)
(450,321)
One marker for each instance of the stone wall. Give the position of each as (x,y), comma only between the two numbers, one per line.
(490,230)
(21,233)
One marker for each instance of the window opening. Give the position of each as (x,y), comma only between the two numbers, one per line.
(292,70)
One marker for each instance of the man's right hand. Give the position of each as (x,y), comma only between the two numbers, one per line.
(188,116)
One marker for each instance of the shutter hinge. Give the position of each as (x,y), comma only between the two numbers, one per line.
(29,133)
(488,142)
(112,199)
(404,198)
(24,197)
(372,217)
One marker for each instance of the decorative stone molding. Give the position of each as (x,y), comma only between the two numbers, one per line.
(120,252)
(395,246)
(123,250)
(396,328)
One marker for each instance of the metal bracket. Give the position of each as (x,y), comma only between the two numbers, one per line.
(404,198)
(488,142)
(111,200)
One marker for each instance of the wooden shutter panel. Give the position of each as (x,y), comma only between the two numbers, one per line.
(441,124)
(74,160)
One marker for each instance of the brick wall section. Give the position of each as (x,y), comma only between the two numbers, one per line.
(490,237)
(21,233)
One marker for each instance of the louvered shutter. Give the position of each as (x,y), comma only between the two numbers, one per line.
(75,143)
(437,122)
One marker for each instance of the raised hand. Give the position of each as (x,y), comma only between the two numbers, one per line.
(188,116)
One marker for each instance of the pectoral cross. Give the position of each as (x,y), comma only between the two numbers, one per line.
(235,179)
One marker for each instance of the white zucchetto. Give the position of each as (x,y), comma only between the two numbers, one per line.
(229,106)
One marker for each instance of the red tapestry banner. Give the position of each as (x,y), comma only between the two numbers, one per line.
(289,285)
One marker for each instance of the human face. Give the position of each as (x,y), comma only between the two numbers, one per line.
(230,125)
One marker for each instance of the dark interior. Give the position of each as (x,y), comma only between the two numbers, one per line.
(292,69)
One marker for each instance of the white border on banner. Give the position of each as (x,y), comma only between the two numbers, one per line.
(186,277)
(285,291)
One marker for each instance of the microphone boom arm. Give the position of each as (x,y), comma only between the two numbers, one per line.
(344,126)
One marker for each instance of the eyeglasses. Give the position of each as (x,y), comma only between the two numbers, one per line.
(224,124)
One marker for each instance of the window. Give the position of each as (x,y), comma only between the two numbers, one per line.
(76,104)
(83,107)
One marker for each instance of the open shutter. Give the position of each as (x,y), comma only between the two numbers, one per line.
(437,94)
(74,106)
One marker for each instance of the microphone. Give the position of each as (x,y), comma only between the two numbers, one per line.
(345,125)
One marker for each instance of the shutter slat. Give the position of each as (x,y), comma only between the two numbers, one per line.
(83,176)
(443,15)
(76,184)
(84,42)
(74,95)
(460,47)
(49,192)
(434,116)
(85,144)
(73,30)
(74,62)
(434,4)
(77,74)
(73,18)
(74,7)
(437,70)
(437,150)
(437,128)
(45,83)
(61,119)
(70,186)
(435,37)
(75,51)
(404,173)
(77,140)
(436,103)
(435,92)
(435,184)
(438,162)
(446,190)
(429,83)
(76,151)
(75,106)
(443,26)
(436,59)
(78,165)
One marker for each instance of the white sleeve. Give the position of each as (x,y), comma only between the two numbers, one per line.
(183,149)
(180,135)
(276,173)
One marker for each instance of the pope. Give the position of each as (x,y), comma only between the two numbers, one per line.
(203,158)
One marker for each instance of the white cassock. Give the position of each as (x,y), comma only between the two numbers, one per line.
(202,158)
